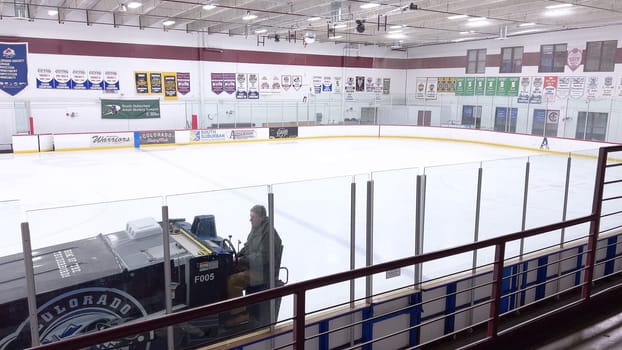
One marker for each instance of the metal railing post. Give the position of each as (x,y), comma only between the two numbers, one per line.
(271,251)
(30,286)
(475,239)
(352,250)
(419,226)
(167,275)
(299,320)
(369,239)
(597,202)
(495,297)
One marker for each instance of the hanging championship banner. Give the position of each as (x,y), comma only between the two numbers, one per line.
(253,88)
(217,83)
(229,82)
(13,67)
(386,86)
(45,79)
(537,88)
(327,84)
(297,82)
(420,88)
(480,86)
(430,90)
(577,87)
(525,90)
(264,85)
(574,58)
(276,84)
(607,87)
(469,86)
(459,87)
(491,86)
(349,89)
(183,83)
(142,84)
(592,87)
(337,88)
(550,88)
(77,80)
(286,82)
(170,85)
(242,92)
(96,80)
(369,84)
(61,76)
(130,109)
(447,84)
(360,83)
(317,84)
(563,87)
(111,81)
(155,82)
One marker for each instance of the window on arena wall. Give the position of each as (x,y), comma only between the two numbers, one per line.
(591,126)
(553,58)
(511,60)
(476,61)
(505,119)
(471,116)
(600,56)
(541,125)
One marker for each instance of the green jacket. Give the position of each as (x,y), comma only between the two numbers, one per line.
(255,255)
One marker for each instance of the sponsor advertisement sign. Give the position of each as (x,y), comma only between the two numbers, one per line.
(157,137)
(209,135)
(242,134)
(108,140)
(130,109)
(283,132)
(13,67)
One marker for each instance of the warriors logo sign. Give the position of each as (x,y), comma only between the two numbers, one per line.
(83,311)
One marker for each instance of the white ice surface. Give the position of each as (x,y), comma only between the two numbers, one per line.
(312,217)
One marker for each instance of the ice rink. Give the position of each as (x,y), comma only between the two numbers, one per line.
(70,195)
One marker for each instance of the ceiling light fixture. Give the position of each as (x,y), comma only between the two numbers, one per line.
(528,24)
(209,7)
(558,12)
(313,19)
(260,31)
(396,36)
(134,4)
(249,16)
(167,23)
(335,37)
(457,17)
(369,5)
(559,6)
(340,25)
(396,27)
(477,19)
(52,12)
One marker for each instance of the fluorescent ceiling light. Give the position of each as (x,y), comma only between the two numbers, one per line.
(168,22)
(558,12)
(526,31)
(477,19)
(558,6)
(335,37)
(313,19)
(462,39)
(479,23)
(528,24)
(369,5)
(248,16)
(52,12)
(396,36)
(209,7)
(457,17)
(466,32)
(394,31)
(340,25)
(134,4)
(259,31)
(396,27)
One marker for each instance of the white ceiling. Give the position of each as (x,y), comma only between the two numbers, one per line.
(393,23)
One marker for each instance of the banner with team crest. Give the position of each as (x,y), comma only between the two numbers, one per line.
(183,82)
(228,80)
(264,85)
(14,69)
(563,87)
(111,80)
(142,82)
(297,82)
(218,85)
(577,87)
(253,86)
(242,89)
(286,82)
(327,85)
(45,79)
(170,85)
(276,84)
(155,82)
(62,78)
